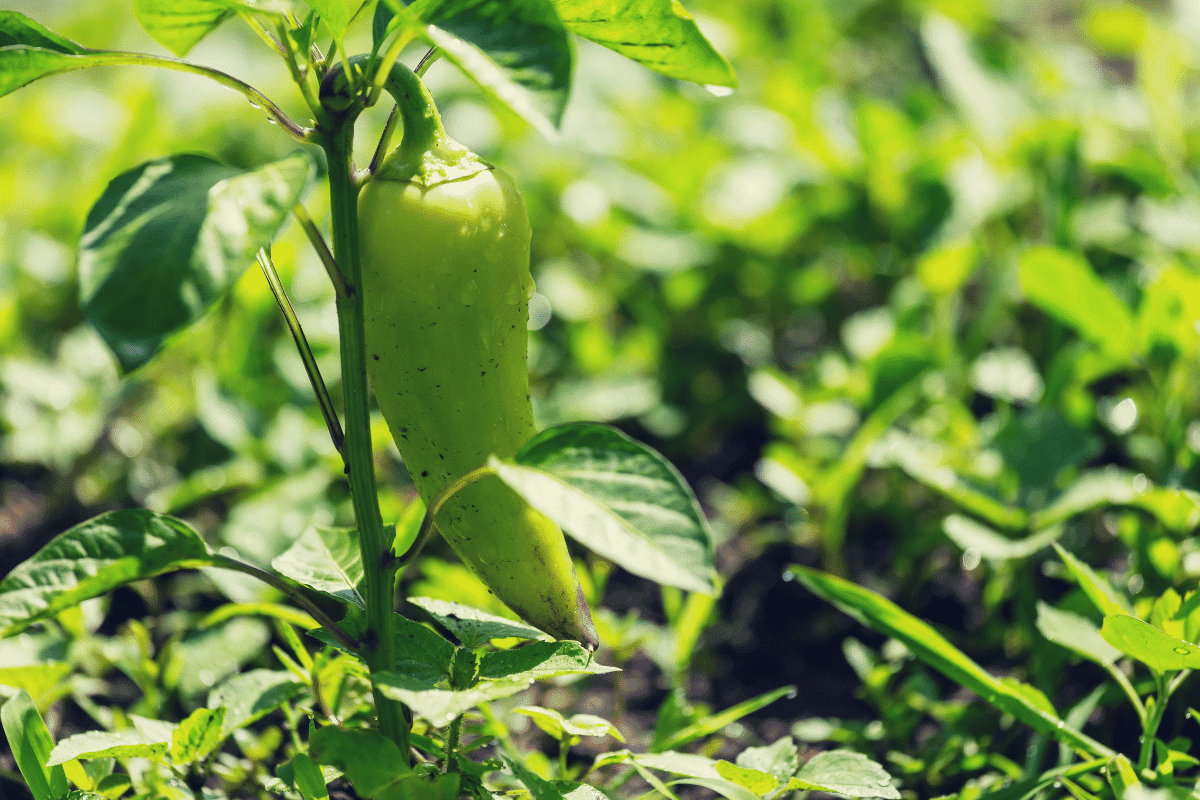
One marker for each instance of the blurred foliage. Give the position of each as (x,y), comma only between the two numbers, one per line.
(971,225)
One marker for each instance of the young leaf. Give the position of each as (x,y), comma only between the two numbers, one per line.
(541,660)
(31,747)
(620,499)
(125,743)
(45,683)
(197,735)
(1103,596)
(1075,633)
(561,728)
(758,782)
(471,626)
(327,560)
(1141,640)
(437,706)
(971,535)
(1177,509)
(715,722)
(883,615)
(424,655)
(847,773)
(91,559)
(780,759)
(539,788)
(334,13)
(248,696)
(18,29)
(179,25)
(1090,307)
(309,779)
(168,238)
(657,33)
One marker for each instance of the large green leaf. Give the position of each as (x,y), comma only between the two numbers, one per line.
(472,627)
(440,706)
(845,772)
(1176,509)
(1075,633)
(247,696)
(168,238)
(519,53)
(93,558)
(883,615)
(1063,285)
(620,499)
(660,34)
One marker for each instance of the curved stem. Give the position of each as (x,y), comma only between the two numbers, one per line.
(429,521)
(378,566)
(119,58)
(1130,692)
(318,242)
(1150,729)
(297,596)
(306,354)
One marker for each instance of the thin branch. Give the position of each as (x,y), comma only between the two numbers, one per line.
(262,32)
(428,523)
(285,586)
(328,410)
(323,251)
(384,140)
(427,60)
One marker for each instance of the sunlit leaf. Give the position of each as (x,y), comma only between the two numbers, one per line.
(1158,650)
(327,560)
(93,558)
(31,747)
(168,238)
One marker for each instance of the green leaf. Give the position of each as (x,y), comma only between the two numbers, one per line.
(334,13)
(126,743)
(922,461)
(539,788)
(31,747)
(197,735)
(620,499)
(440,706)
(660,34)
(91,559)
(327,560)
(886,617)
(371,761)
(1177,509)
(971,535)
(424,655)
(191,666)
(248,696)
(845,772)
(1158,650)
(715,722)
(179,25)
(727,789)
(758,782)
(168,238)
(780,759)
(518,53)
(1103,596)
(45,683)
(561,728)
(18,29)
(1090,307)
(471,626)
(541,660)
(309,779)
(1076,633)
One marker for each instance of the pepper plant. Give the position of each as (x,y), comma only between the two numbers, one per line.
(392,706)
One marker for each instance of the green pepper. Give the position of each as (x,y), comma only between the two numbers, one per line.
(444,249)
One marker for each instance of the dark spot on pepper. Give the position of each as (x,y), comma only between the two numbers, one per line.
(424,473)
(375,357)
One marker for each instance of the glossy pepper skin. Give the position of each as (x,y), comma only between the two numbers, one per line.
(444,253)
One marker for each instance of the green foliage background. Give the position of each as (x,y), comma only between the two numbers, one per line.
(920,239)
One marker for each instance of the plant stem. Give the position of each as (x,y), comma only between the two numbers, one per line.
(378,566)
(306,354)
(452,739)
(335,630)
(1150,729)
